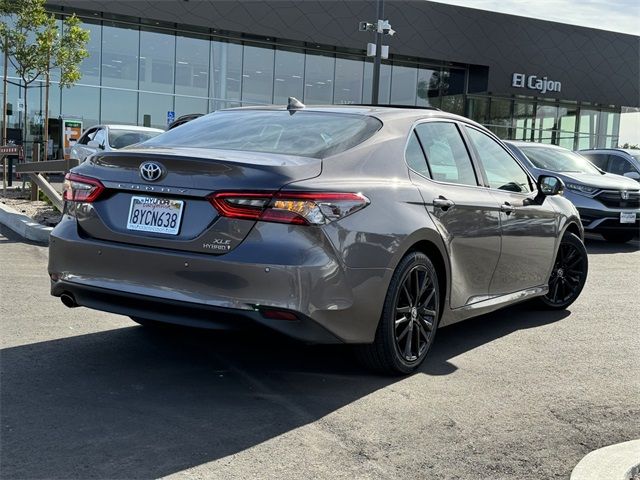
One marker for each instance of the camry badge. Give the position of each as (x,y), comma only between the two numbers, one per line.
(150,171)
(624,195)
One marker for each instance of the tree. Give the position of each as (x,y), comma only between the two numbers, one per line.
(35,46)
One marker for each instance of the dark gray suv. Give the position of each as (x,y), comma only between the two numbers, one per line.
(362,225)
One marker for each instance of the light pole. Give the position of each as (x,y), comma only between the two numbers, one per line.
(377,50)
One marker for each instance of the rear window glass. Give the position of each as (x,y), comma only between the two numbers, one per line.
(306,134)
(120,138)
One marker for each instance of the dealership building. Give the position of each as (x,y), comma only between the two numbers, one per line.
(523,78)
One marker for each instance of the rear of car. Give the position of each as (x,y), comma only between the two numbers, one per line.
(204,226)
(608,204)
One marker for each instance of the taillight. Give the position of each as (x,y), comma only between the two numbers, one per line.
(299,208)
(77,188)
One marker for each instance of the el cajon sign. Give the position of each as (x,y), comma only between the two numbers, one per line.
(533,82)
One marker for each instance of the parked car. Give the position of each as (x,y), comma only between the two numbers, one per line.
(183,119)
(110,137)
(608,204)
(615,160)
(342,224)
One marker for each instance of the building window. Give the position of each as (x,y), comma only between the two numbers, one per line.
(226,75)
(257,75)
(403,85)
(192,66)
(157,60)
(289,76)
(318,82)
(348,84)
(119,106)
(153,108)
(120,57)
(82,102)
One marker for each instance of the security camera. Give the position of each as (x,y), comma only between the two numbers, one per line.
(389,31)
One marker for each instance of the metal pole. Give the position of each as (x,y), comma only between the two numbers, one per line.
(377,61)
(4,115)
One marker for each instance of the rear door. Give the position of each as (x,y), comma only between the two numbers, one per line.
(464,212)
(529,229)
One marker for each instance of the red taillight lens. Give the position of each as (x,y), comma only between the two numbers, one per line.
(77,188)
(240,205)
(299,208)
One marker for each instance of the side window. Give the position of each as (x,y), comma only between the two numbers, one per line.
(415,156)
(503,172)
(598,159)
(619,165)
(446,153)
(101,137)
(88,135)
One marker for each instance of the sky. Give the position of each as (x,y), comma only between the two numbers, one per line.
(615,15)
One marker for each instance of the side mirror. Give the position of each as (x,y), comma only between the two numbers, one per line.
(549,185)
(633,175)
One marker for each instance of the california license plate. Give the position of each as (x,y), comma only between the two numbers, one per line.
(157,215)
(627,217)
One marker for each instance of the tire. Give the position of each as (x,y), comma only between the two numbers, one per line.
(389,353)
(569,274)
(618,237)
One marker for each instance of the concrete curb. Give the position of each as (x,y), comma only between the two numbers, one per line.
(24,226)
(615,462)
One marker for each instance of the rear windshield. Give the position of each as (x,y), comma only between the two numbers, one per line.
(305,134)
(120,138)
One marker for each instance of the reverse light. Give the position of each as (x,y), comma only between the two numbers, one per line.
(576,187)
(298,208)
(77,188)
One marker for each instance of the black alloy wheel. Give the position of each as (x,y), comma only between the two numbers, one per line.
(569,273)
(409,318)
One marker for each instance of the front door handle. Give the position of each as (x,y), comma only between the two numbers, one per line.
(442,203)
(507,208)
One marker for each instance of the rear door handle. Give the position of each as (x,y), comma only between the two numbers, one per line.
(443,203)
(507,208)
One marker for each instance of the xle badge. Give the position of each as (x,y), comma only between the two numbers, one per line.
(217,244)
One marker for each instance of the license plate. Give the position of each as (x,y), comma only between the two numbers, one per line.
(157,215)
(627,217)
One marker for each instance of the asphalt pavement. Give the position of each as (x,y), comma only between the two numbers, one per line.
(519,394)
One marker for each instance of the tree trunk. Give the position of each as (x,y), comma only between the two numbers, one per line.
(26,115)
(46,114)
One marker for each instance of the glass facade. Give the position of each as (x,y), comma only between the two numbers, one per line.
(569,124)
(137,74)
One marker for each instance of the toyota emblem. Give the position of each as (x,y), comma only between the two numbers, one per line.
(150,171)
(624,194)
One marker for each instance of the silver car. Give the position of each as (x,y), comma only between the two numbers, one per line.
(341,224)
(106,138)
(608,204)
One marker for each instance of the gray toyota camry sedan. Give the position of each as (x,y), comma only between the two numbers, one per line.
(341,224)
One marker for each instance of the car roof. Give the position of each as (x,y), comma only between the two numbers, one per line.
(382,112)
(628,151)
(113,126)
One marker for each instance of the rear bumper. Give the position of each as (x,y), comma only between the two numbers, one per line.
(295,269)
(187,313)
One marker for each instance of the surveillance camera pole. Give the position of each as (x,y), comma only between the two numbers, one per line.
(377,61)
